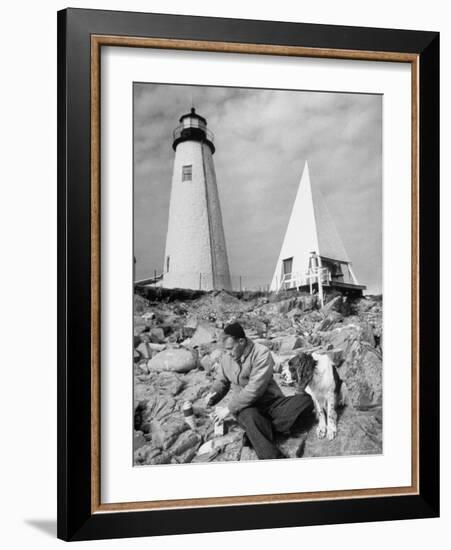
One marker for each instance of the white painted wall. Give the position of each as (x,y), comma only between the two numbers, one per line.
(301,236)
(195,241)
(28,244)
(188,238)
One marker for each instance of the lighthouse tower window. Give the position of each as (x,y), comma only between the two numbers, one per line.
(187,172)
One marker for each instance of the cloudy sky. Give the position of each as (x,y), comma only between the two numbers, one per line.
(263,138)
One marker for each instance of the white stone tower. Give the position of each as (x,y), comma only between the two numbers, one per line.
(312,253)
(195,254)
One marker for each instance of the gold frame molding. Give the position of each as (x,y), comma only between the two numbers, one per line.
(97,41)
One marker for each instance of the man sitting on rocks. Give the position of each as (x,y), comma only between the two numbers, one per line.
(257,401)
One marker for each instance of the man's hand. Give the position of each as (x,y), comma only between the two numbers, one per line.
(209,397)
(220,414)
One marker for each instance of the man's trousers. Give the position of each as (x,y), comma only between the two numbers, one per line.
(263,419)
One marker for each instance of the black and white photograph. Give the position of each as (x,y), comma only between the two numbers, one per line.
(257,263)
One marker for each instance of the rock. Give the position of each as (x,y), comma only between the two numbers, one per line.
(342,338)
(216,355)
(336,304)
(210,361)
(157,347)
(188,441)
(369,303)
(279,361)
(290,343)
(143,391)
(164,434)
(145,454)
(191,323)
(265,342)
(140,304)
(205,334)
(169,383)
(161,458)
(286,323)
(206,457)
(221,442)
(311,318)
(367,333)
(138,440)
(308,302)
(160,407)
(157,407)
(360,364)
(248,454)
(286,305)
(259,326)
(196,386)
(231,452)
(137,330)
(156,335)
(206,363)
(358,433)
(174,359)
(362,373)
(185,457)
(333,317)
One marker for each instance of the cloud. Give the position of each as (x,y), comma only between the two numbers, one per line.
(263,138)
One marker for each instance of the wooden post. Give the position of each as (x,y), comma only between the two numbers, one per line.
(200,281)
(240,283)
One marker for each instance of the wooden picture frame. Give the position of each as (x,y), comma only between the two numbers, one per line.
(81,35)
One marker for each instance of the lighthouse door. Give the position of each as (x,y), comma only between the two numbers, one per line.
(287,269)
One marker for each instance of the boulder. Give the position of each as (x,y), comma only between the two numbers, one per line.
(156,335)
(362,373)
(138,328)
(206,363)
(168,383)
(138,440)
(145,455)
(358,433)
(360,363)
(164,434)
(216,355)
(268,343)
(197,384)
(332,318)
(205,334)
(157,407)
(161,458)
(231,452)
(140,304)
(187,441)
(290,343)
(342,338)
(174,359)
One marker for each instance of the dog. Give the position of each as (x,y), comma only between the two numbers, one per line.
(316,374)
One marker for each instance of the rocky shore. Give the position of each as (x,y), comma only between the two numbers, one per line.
(182,346)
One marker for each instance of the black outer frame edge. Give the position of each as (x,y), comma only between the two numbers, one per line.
(251,517)
(430,273)
(75,521)
(61,278)
(217,29)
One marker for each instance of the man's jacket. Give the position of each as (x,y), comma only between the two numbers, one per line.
(250,380)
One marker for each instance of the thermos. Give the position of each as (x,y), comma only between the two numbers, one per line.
(189,414)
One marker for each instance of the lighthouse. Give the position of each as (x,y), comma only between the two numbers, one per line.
(195,253)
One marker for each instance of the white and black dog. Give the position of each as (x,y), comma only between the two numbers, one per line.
(316,374)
